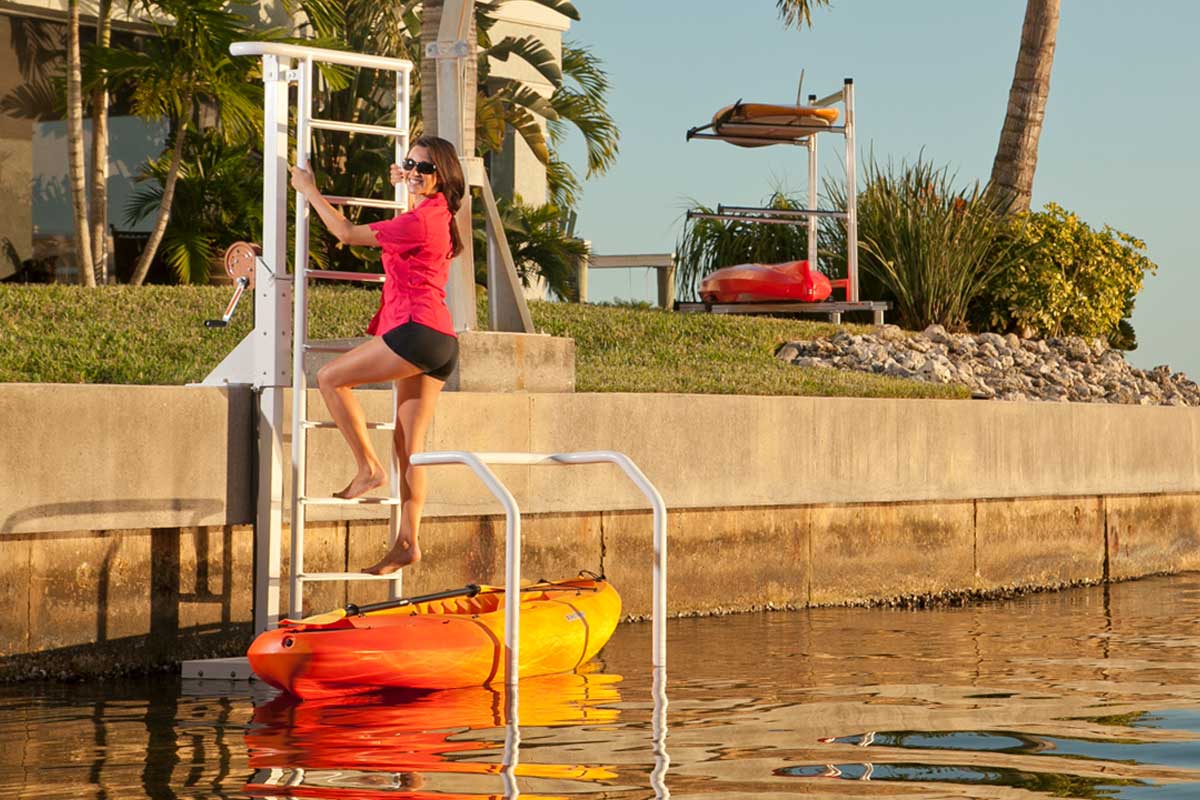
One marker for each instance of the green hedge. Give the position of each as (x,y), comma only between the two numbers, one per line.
(156,335)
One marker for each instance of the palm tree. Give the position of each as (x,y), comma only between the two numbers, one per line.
(1016,156)
(83,242)
(184,71)
(99,187)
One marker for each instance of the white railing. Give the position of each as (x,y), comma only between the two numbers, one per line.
(322,54)
(478,462)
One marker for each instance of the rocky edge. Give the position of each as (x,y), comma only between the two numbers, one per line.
(1069,369)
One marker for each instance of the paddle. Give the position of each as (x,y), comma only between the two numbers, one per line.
(351,610)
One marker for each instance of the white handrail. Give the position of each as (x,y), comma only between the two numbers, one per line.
(478,462)
(321,54)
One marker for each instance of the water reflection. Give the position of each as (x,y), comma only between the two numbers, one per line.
(437,744)
(1090,693)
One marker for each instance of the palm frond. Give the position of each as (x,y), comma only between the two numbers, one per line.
(514,92)
(531,50)
(798,13)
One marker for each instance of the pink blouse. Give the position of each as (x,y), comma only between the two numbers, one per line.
(416,259)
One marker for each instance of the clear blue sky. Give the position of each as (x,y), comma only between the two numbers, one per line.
(1119,144)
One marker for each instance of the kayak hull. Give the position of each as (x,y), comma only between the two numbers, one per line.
(757,283)
(443,644)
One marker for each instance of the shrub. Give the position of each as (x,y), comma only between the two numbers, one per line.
(540,244)
(931,248)
(1067,279)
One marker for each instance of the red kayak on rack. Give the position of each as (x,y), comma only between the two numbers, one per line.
(759,283)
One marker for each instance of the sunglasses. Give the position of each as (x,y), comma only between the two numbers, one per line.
(422,167)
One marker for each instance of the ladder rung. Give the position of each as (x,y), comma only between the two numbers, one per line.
(335,275)
(344,576)
(373,426)
(356,127)
(370,202)
(322,347)
(354,501)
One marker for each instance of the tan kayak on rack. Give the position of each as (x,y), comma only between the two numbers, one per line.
(759,124)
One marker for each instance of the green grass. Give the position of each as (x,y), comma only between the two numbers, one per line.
(156,335)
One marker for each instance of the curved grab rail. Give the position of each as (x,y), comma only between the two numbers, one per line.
(478,462)
(322,54)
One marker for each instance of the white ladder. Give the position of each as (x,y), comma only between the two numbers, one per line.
(303,75)
(301,424)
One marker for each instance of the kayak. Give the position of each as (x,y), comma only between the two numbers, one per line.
(758,283)
(759,124)
(438,644)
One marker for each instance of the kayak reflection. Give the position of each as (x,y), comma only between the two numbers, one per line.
(449,743)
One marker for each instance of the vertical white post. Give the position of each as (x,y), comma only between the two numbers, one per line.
(851,195)
(403,123)
(300,326)
(271,301)
(452,50)
(812,199)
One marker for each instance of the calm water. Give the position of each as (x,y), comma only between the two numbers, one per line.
(1091,693)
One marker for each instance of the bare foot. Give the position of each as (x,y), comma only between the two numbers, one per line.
(367,479)
(401,555)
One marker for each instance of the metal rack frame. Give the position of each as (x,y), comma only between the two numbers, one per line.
(800,135)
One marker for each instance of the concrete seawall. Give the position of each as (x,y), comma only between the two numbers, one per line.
(126,536)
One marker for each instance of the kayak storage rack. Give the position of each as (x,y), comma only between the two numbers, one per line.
(801,131)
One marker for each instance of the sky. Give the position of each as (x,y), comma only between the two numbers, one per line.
(1119,145)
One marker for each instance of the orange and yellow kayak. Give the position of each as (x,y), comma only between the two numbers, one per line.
(758,124)
(441,644)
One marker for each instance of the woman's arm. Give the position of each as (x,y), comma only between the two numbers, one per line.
(343,229)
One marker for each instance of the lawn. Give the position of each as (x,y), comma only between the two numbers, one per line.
(156,335)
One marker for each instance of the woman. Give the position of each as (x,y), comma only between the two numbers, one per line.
(413,341)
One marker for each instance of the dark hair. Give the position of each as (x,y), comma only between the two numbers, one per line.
(451,183)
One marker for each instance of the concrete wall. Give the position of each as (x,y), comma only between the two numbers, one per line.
(125,512)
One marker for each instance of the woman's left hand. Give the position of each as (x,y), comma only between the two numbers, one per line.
(303,180)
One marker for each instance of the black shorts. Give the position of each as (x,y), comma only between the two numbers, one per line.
(436,353)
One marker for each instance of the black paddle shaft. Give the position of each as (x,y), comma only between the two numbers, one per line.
(470,590)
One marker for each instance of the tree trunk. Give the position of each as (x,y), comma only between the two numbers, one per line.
(99,185)
(164,205)
(75,160)
(1011,187)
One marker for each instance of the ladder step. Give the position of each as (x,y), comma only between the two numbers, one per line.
(321,347)
(345,576)
(335,275)
(370,202)
(354,501)
(371,426)
(356,127)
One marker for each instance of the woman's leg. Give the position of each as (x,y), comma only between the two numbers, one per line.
(416,398)
(371,362)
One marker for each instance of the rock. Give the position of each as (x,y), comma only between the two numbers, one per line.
(787,352)
(994,366)
(936,370)
(936,333)
(890,333)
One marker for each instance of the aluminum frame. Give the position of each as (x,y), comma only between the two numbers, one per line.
(272,339)
(478,462)
(805,137)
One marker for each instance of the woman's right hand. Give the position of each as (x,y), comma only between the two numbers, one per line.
(303,181)
(395,174)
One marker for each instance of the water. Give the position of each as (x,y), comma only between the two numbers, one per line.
(1090,693)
